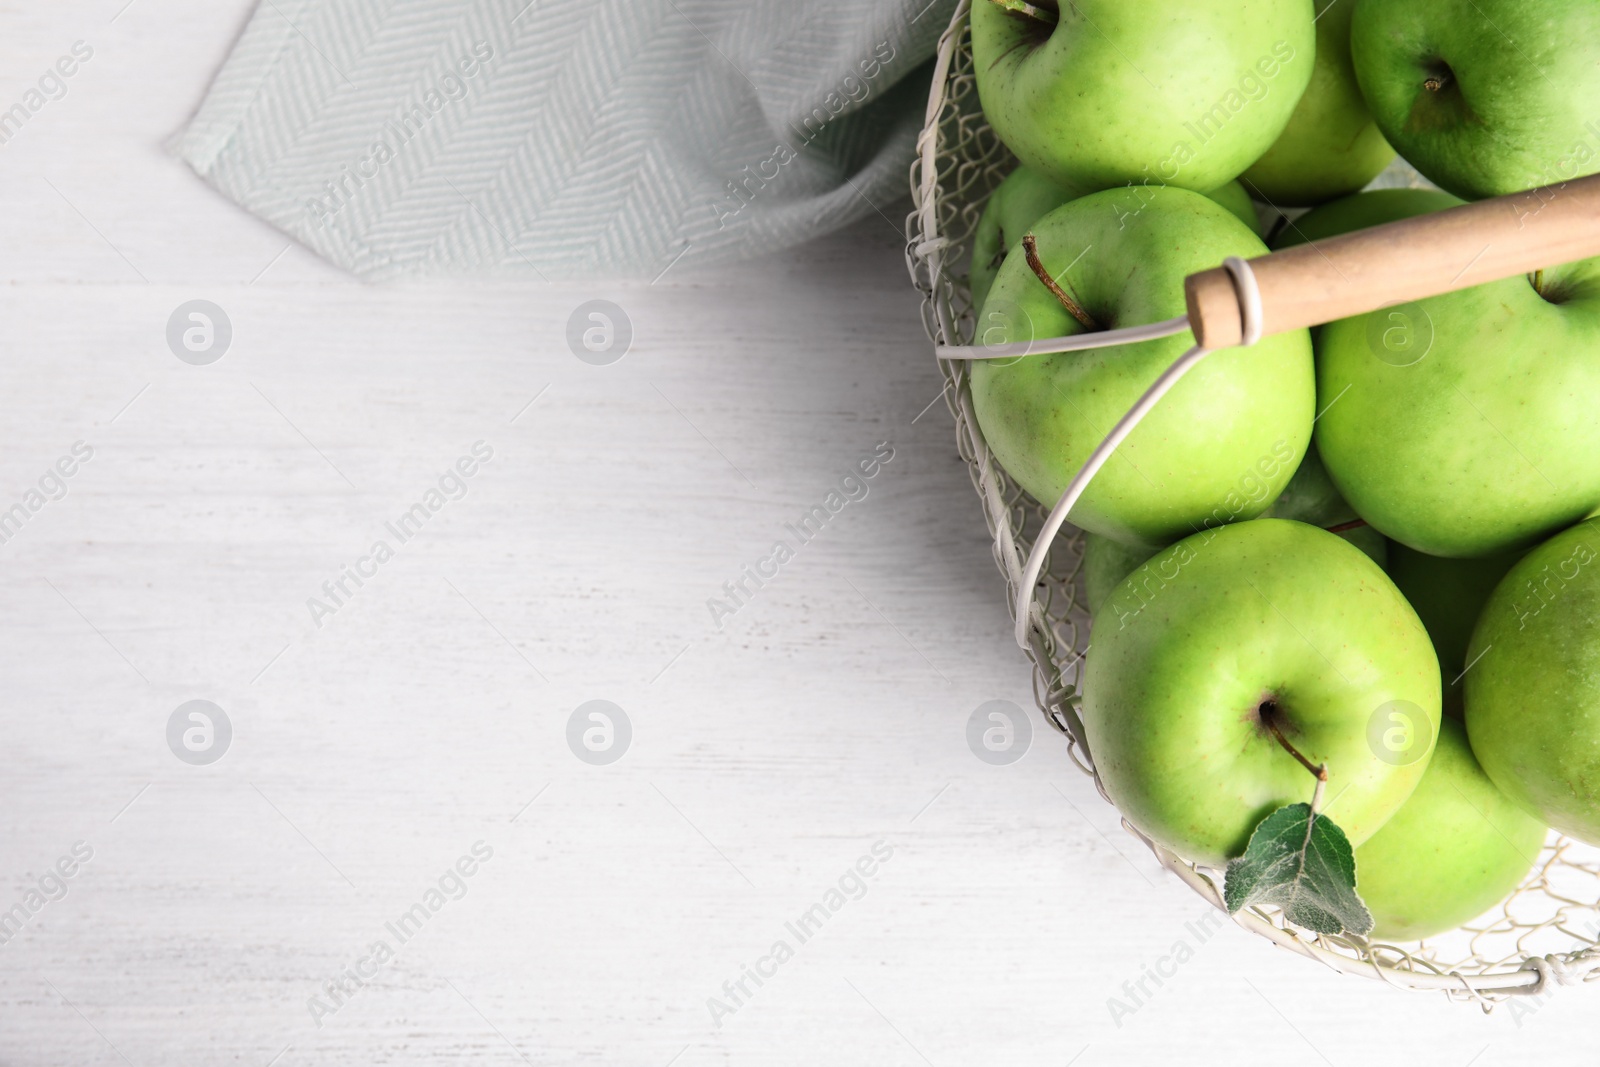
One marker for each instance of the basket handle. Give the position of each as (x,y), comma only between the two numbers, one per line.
(1402,261)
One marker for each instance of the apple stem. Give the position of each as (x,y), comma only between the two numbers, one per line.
(1537,278)
(1271,723)
(1030,250)
(1354,524)
(1027,10)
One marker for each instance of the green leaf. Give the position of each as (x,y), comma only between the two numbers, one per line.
(1302,862)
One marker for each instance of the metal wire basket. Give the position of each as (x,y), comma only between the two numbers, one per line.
(1545,933)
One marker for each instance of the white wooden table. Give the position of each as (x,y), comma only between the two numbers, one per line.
(430,711)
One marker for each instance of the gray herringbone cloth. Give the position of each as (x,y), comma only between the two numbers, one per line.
(563,138)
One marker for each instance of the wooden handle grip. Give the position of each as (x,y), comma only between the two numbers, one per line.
(1402,261)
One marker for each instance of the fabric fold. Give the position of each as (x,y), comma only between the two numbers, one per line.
(562,138)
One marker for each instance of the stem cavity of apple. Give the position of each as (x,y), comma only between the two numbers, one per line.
(1030,251)
(1023,9)
(1439,78)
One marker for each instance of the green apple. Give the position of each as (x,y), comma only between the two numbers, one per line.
(1100,93)
(1484,97)
(1533,693)
(1464,425)
(1361,210)
(1331,146)
(1236,632)
(1025,197)
(1448,595)
(1240,417)
(1457,848)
